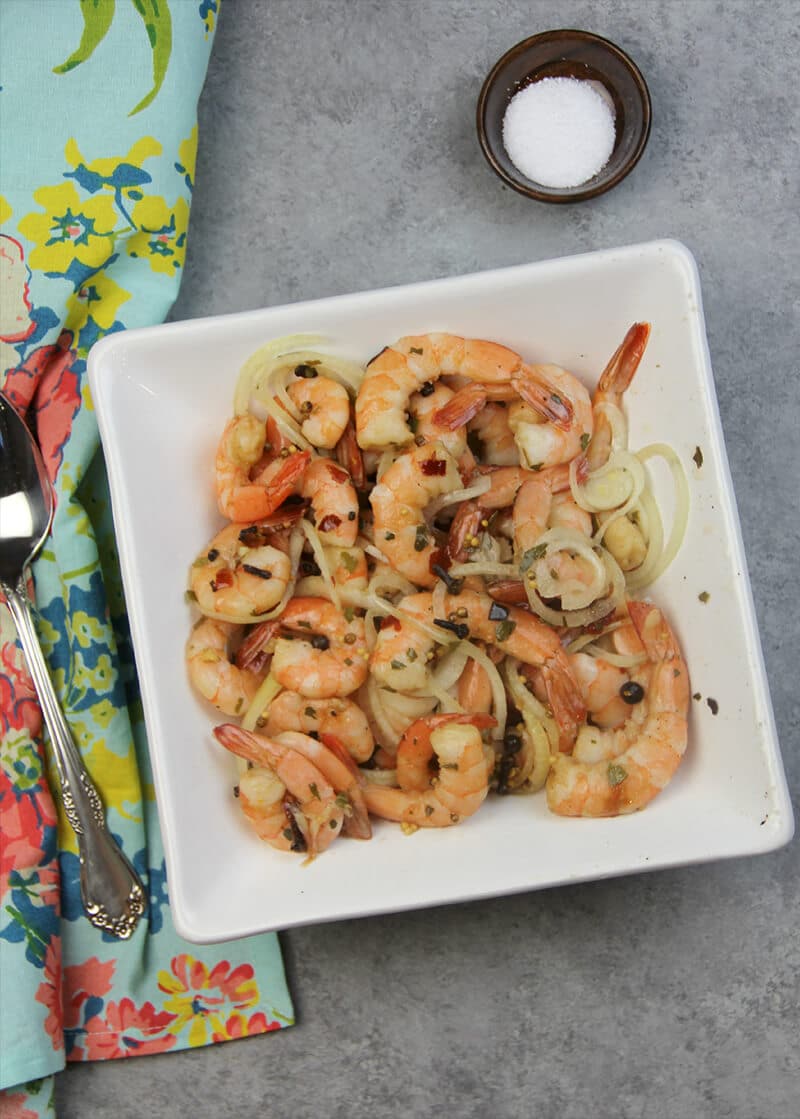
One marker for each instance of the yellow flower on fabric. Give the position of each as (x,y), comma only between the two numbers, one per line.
(121,175)
(162,234)
(99,298)
(71,228)
(205,999)
(187,157)
(6,211)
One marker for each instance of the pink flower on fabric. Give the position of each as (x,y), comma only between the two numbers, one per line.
(126,1030)
(19,707)
(47,383)
(12,1106)
(89,980)
(49,993)
(239,1025)
(206,999)
(24,820)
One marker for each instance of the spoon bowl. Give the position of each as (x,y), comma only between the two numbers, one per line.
(112,893)
(26,496)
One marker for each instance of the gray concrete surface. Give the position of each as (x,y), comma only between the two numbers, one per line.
(338,153)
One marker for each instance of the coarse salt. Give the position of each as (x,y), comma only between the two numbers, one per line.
(559,132)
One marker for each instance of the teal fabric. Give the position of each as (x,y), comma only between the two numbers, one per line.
(98,136)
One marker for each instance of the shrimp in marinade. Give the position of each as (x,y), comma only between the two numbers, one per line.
(399,500)
(324,408)
(404,651)
(251,482)
(402,369)
(211,670)
(321,654)
(462,785)
(239,576)
(286,797)
(290,711)
(617,771)
(344,778)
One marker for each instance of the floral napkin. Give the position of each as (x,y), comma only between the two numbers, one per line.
(98,137)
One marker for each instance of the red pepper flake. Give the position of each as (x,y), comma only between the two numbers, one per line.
(330,522)
(223,578)
(390,622)
(337,474)
(434,467)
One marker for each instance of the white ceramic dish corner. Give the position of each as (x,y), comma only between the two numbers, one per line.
(162,397)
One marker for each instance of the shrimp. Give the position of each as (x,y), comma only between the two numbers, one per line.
(334,501)
(458,791)
(600,683)
(493,431)
(533,505)
(543,437)
(236,581)
(263,797)
(422,408)
(514,631)
(471,516)
(614,381)
(349,572)
(324,407)
(231,689)
(309,799)
(349,455)
(612,772)
(416,759)
(399,501)
(329,659)
(474,690)
(406,367)
(290,711)
(344,776)
(240,496)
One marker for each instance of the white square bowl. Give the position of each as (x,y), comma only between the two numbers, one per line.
(162,397)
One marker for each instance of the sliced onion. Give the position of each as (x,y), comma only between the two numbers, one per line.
(268,689)
(455,497)
(494,570)
(647,573)
(262,358)
(499,703)
(318,549)
(541,727)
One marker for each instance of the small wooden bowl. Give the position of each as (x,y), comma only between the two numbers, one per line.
(567,54)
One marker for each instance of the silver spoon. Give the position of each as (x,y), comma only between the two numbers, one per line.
(113,895)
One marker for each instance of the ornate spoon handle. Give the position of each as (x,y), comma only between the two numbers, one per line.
(113,895)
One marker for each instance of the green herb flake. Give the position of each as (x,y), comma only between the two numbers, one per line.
(287,833)
(349,613)
(530,555)
(504,629)
(310,713)
(421,539)
(348,661)
(616,774)
(304,625)
(397,664)
(388,536)
(585,440)
(698,457)
(314,790)
(350,561)
(333,824)
(416,350)
(704,596)
(190,596)
(342,800)
(239,705)
(411,654)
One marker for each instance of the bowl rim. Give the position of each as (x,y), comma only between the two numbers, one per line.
(555,35)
